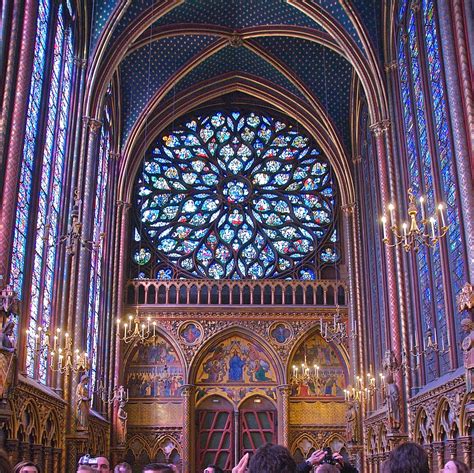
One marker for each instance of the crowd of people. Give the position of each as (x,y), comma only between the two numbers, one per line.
(408,457)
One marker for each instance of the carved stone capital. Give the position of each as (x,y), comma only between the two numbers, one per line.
(357,159)
(114,156)
(348,209)
(391,66)
(80,62)
(465,299)
(415,5)
(284,390)
(92,123)
(380,127)
(187,390)
(122,203)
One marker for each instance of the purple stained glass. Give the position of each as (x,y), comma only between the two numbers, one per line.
(26,172)
(446,160)
(95,285)
(235,195)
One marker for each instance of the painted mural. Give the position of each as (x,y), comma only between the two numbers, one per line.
(155,371)
(317,370)
(236,361)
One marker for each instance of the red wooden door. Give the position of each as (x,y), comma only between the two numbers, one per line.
(257,427)
(215,439)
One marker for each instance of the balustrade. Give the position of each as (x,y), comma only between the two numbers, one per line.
(236,292)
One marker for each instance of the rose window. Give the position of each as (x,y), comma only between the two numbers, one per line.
(237,195)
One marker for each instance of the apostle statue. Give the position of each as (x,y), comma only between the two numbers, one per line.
(7,359)
(122,417)
(82,402)
(351,423)
(468,350)
(393,403)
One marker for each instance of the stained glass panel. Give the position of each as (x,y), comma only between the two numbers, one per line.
(235,195)
(27,165)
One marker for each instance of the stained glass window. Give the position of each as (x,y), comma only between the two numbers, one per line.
(49,163)
(235,195)
(27,165)
(431,168)
(96,276)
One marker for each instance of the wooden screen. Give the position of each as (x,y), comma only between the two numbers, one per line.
(215,439)
(257,427)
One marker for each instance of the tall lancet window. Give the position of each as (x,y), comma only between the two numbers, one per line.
(37,216)
(431,172)
(96,274)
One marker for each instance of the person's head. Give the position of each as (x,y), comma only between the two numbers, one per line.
(103,465)
(213,469)
(409,457)
(326,468)
(455,466)
(385,467)
(123,468)
(26,467)
(85,469)
(158,468)
(272,459)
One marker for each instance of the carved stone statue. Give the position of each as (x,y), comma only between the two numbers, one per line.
(468,349)
(393,403)
(351,423)
(82,403)
(122,417)
(6,339)
(7,359)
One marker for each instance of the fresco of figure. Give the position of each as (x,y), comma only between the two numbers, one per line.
(236,367)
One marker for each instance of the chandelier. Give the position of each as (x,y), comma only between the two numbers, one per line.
(74,234)
(335,331)
(117,394)
(62,358)
(307,375)
(364,389)
(416,232)
(430,345)
(135,330)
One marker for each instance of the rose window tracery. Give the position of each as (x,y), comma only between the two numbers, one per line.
(234,195)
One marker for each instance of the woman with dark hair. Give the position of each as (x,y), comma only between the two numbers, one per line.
(455,466)
(26,467)
(409,457)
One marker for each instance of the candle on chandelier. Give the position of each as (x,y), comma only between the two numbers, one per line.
(433,234)
(143,330)
(384,222)
(422,205)
(405,226)
(391,208)
(154,328)
(443,222)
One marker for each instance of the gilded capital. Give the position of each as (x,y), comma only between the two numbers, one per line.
(80,62)
(348,209)
(380,127)
(92,123)
(465,299)
(391,66)
(357,159)
(187,390)
(114,156)
(122,203)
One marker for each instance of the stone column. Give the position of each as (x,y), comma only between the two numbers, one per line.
(438,448)
(284,425)
(429,451)
(187,392)
(236,437)
(13,447)
(57,459)
(37,454)
(466,446)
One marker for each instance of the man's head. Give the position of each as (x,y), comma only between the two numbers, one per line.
(326,468)
(123,468)
(213,469)
(272,459)
(103,465)
(409,457)
(85,469)
(158,468)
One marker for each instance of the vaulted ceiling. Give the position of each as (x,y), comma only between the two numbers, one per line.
(166,47)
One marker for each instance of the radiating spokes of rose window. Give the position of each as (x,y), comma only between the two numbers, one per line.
(235,195)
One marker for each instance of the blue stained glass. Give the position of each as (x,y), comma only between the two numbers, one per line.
(446,158)
(236,212)
(95,285)
(26,172)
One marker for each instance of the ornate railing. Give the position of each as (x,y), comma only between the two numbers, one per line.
(236,292)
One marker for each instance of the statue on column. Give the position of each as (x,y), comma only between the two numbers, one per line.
(7,358)
(393,403)
(351,422)
(83,403)
(122,417)
(465,302)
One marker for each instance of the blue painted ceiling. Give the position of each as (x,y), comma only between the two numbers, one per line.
(324,73)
